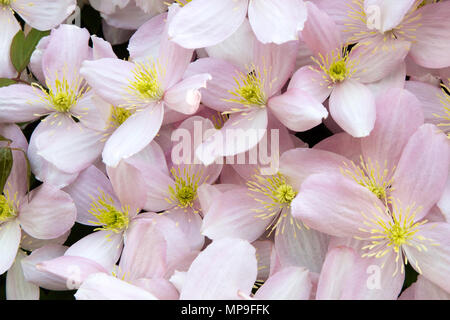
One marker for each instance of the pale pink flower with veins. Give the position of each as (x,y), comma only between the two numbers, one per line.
(424,25)
(382,202)
(250,97)
(204,23)
(145,87)
(344,75)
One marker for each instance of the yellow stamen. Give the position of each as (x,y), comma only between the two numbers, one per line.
(335,66)
(275,195)
(372,176)
(119,116)
(184,192)
(392,230)
(108,216)
(8,207)
(146,85)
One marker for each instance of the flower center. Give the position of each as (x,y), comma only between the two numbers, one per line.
(182,3)
(184,191)
(249,90)
(7,208)
(371,176)
(5,2)
(146,84)
(119,116)
(275,195)
(391,230)
(335,65)
(61,95)
(107,215)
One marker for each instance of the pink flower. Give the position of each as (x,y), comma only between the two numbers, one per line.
(144,88)
(383,201)
(204,23)
(44,213)
(251,97)
(378,22)
(42,15)
(345,74)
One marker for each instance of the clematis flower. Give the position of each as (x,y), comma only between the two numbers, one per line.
(41,14)
(144,88)
(204,23)
(386,211)
(67,97)
(153,248)
(376,21)
(176,190)
(251,97)
(44,213)
(264,203)
(345,74)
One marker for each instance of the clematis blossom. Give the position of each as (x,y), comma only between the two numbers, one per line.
(342,74)
(145,87)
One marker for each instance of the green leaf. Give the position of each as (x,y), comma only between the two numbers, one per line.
(2,138)
(22,47)
(4,82)
(6,162)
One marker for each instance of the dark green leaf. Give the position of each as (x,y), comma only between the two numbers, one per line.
(2,138)
(4,82)
(22,47)
(6,162)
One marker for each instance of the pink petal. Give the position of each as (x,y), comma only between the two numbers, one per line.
(297,110)
(220,271)
(264,252)
(291,283)
(434,261)
(278,22)
(232,215)
(9,244)
(376,58)
(101,48)
(190,223)
(278,61)
(21,103)
(16,184)
(204,23)
(103,247)
(67,49)
(109,78)
(49,214)
(430,98)
(320,32)
(342,144)
(144,254)
(17,287)
(160,288)
(145,42)
(423,289)
(44,14)
(239,134)
(133,135)
(297,164)
(185,96)
(10,28)
(421,174)
(69,269)
(223,76)
(41,278)
(333,204)
(399,115)
(432,36)
(391,13)
(395,79)
(70,147)
(301,248)
(310,80)
(100,286)
(352,106)
(129,17)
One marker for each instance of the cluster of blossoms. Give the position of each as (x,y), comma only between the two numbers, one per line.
(164,155)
